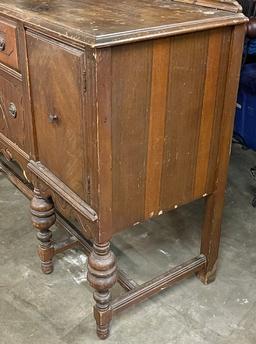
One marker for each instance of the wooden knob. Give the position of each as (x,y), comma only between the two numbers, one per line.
(251,28)
(52,118)
(12,110)
(2,43)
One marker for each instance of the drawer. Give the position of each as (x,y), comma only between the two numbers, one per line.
(8,44)
(12,124)
(55,79)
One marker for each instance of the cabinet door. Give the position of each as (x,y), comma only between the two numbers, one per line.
(56,90)
(12,123)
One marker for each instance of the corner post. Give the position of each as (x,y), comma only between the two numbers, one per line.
(211,230)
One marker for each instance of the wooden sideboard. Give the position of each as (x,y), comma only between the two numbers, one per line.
(117,112)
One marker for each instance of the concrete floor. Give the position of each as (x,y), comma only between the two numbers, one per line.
(57,309)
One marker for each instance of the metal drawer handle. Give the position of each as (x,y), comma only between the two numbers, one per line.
(52,118)
(12,110)
(2,43)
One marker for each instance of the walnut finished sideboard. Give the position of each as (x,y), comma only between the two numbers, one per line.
(117,112)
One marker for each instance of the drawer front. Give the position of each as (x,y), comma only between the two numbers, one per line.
(8,44)
(12,123)
(55,78)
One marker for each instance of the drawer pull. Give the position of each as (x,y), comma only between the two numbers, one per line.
(2,44)
(12,110)
(52,118)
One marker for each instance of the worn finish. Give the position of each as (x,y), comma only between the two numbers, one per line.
(8,44)
(112,136)
(64,131)
(183,314)
(12,121)
(164,171)
(215,202)
(43,217)
(102,276)
(229,5)
(97,24)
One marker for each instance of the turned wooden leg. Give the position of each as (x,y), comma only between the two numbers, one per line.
(102,275)
(43,217)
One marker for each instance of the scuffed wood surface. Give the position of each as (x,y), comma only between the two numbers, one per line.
(226,5)
(103,23)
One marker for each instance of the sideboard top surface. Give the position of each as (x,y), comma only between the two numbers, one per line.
(108,22)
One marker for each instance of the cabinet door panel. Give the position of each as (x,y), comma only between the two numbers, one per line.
(56,90)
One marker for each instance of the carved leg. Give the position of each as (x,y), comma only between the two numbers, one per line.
(43,217)
(102,276)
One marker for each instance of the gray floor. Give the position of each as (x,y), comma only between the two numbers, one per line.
(35,308)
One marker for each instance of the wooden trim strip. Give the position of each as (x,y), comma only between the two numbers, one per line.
(104,139)
(11,72)
(125,281)
(220,99)
(225,5)
(16,180)
(67,244)
(59,31)
(208,111)
(233,75)
(160,74)
(159,283)
(62,190)
(14,147)
(168,30)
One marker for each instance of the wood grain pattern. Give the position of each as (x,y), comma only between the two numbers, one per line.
(132,129)
(90,128)
(14,152)
(60,142)
(24,69)
(160,68)
(97,25)
(208,112)
(49,179)
(163,142)
(227,5)
(185,97)
(214,207)
(104,140)
(8,33)
(12,128)
(219,103)
(131,80)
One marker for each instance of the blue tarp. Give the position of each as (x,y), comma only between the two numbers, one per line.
(251,49)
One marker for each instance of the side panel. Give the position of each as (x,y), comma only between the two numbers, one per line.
(131,86)
(166,108)
(198,63)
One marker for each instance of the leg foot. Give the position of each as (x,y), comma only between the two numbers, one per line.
(207,277)
(102,275)
(43,217)
(210,239)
